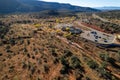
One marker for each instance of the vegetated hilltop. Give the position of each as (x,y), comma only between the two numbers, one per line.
(110,22)
(11,6)
(113,14)
(32,48)
(113,18)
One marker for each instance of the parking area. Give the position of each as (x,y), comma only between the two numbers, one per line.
(98,37)
(89,34)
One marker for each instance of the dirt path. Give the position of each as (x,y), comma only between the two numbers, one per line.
(98,17)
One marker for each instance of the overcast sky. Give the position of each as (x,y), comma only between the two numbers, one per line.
(89,3)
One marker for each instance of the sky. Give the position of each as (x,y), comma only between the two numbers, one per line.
(89,3)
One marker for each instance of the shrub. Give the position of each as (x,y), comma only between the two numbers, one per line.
(11,68)
(37,25)
(7,47)
(104,57)
(28,42)
(33,57)
(25,50)
(67,53)
(24,65)
(38,78)
(9,51)
(67,35)
(64,70)
(78,75)
(32,70)
(28,55)
(54,53)
(39,61)
(87,78)
(74,62)
(92,64)
(61,78)
(21,41)
(104,73)
(63,60)
(12,42)
(56,61)
(103,64)
(1,54)
(46,68)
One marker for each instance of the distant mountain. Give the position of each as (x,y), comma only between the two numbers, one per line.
(10,6)
(108,8)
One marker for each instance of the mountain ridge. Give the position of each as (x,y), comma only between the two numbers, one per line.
(12,6)
(108,8)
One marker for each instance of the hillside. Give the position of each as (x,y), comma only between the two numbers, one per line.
(112,16)
(10,6)
(33,48)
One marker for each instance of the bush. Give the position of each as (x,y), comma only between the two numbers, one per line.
(61,78)
(55,60)
(25,49)
(28,42)
(21,41)
(74,62)
(1,54)
(24,65)
(104,73)
(92,64)
(32,70)
(28,55)
(46,68)
(63,60)
(67,35)
(104,57)
(54,53)
(67,53)
(11,68)
(64,70)
(38,78)
(87,78)
(104,64)
(78,75)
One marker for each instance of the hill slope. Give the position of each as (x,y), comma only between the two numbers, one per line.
(8,6)
(32,48)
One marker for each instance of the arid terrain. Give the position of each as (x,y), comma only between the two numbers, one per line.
(33,48)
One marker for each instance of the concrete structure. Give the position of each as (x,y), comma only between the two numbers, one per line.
(69,27)
(98,37)
(60,26)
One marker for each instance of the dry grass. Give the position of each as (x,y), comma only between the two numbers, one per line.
(31,53)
